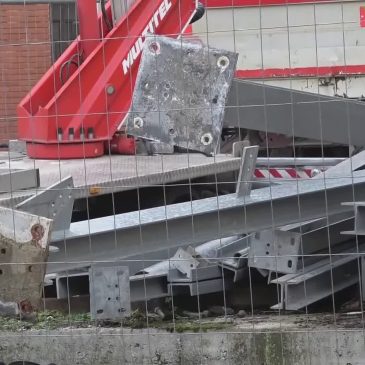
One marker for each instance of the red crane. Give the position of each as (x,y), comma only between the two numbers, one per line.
(83,99)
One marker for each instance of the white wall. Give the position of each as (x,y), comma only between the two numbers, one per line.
(292,36)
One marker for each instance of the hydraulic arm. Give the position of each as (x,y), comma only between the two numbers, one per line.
(85,96)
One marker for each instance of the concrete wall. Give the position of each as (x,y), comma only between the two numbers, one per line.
(318,346)
(25,55)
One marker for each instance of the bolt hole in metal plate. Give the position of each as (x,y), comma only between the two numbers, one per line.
(180,93)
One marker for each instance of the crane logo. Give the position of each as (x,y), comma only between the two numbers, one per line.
(154,22)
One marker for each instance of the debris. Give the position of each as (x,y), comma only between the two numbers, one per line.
(202,314)
(24,242)
(351,306)
(241,313)
(221,310)
(9,309)
(136,319)
(159,312)
(153,316)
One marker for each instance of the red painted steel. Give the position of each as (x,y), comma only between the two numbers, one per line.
(72,119)
(89,30)
(362,16)
(56,151)
(122,144)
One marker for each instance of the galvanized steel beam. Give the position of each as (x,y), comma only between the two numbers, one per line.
(284,250)
(11,181)
(286,111)
(298,161)
(317,281)
(344,168)
(150,230)
(201,287)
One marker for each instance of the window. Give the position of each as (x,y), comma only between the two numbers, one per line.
(64,27)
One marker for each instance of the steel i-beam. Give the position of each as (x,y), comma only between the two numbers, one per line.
(124,235)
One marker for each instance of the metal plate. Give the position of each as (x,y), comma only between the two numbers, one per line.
(109,291)
(275,250)
(184,262)
(114,173)
(180,93)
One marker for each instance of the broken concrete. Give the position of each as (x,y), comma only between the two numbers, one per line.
(24,240)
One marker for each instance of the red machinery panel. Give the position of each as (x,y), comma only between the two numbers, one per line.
(362,16)
(73,109)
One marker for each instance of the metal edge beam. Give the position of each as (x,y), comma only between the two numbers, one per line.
(154,229)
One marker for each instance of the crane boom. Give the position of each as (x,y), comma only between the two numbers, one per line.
(85,96)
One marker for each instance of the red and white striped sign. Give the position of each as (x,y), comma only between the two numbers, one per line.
(286,173)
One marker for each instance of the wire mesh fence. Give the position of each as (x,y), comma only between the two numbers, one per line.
(181,182)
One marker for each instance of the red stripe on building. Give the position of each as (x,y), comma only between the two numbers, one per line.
(245,3)
(362,16)
(323,71)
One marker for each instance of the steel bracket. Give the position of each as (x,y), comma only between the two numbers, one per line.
(318,280)
(109,291)
(247,170)
(54,202)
